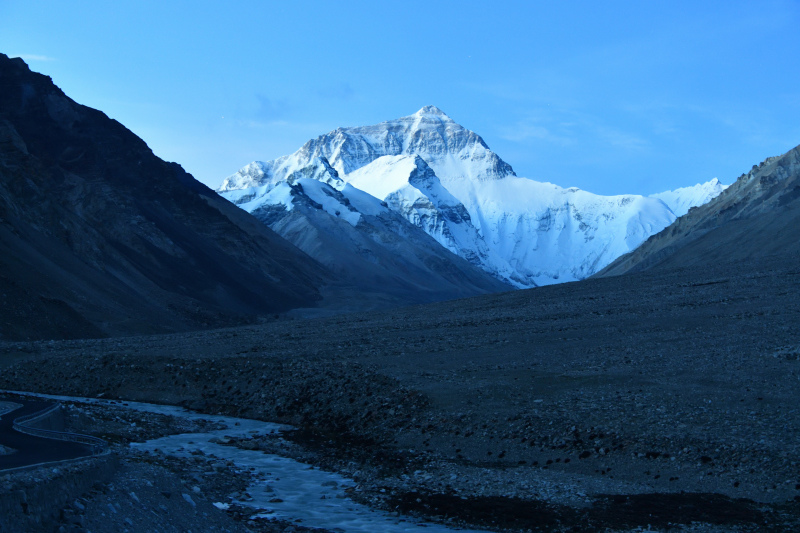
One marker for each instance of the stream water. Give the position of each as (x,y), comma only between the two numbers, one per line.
(284,488)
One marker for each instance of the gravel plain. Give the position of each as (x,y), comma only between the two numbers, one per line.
(664,400)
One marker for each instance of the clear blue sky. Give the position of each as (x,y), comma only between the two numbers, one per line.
(612,97)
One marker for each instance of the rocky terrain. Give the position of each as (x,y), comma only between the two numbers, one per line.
(147,492)
(756,217)
(98,236)
(664,398)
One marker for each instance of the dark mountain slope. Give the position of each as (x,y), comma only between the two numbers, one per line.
(757,218)
(99,236)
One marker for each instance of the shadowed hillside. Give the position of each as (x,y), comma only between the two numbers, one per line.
(99,236)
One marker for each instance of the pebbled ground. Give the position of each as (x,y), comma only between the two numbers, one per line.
(667,399)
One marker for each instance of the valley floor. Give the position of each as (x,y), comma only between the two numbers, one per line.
(661,399)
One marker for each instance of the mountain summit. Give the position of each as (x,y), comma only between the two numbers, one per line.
(444,179)
(447,147)
(434,111)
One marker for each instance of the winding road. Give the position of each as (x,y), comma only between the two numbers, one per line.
(31,450)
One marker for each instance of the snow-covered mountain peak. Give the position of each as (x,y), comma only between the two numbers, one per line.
(408,186)
(447,147)
(286,168)
(392,173)
(682,199)
(248,176)
(433,110)
(431,115)
(443,179)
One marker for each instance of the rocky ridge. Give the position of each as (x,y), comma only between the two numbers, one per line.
(98,236)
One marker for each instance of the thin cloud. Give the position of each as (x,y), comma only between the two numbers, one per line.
(271,109)
(621,139)
(258,124)
(664,118)
(569,128)
(306,130)
(338,91)
(524,131)
(504,91)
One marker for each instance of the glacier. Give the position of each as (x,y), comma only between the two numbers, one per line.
(443,178)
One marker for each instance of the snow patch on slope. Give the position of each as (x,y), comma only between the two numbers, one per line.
(251,198)
(331,202)
(385,175)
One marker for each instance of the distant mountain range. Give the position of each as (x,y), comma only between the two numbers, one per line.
(443,179)
(756,219)
(100,237)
